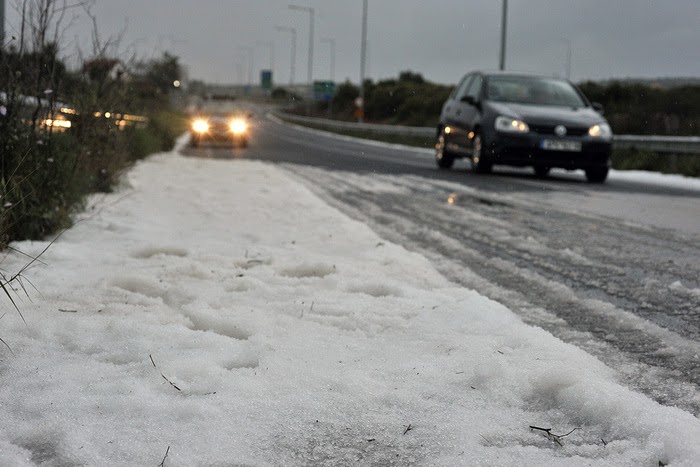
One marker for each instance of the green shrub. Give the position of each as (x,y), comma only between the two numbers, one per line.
(42,189)
(165,127)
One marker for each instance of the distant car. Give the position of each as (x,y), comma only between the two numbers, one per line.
(523,120)
(229,128)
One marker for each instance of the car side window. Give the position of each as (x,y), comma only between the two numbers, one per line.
(463,87)
(455,90)
(474,89)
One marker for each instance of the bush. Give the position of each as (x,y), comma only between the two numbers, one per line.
(42,188)
(158,135)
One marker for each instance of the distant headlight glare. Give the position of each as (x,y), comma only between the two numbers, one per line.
(511,125)
(200,126)
(601,131)
(238,126)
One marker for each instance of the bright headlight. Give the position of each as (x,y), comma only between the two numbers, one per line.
(601,130)
(511,125)
(200,126)
(238,126)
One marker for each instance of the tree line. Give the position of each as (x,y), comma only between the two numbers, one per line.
(630,107)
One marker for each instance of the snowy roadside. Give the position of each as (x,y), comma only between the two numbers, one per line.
(220,311)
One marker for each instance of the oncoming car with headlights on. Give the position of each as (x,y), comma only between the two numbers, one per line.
(523,120)
(228,129)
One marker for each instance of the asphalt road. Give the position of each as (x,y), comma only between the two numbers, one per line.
(612,268)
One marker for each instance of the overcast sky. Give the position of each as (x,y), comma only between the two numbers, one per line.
(442,39)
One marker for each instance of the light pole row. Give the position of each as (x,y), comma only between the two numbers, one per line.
(293,32)
(310,11)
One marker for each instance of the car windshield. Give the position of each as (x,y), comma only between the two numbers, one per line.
(533,90)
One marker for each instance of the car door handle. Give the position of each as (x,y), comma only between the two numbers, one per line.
(459,112)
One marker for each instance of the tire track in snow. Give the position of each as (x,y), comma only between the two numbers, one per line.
(622,292)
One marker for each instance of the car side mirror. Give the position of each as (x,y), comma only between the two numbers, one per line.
(598,107)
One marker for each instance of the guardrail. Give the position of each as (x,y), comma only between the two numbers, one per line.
(370,127)
(658,144)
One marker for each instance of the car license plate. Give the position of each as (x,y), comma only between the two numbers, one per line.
(561,145)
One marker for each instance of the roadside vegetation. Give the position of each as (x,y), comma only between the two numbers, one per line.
(67,130)
(639,108)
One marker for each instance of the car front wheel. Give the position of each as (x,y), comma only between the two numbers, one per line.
(541,171)
(443,159)
(597,174)
(479,165)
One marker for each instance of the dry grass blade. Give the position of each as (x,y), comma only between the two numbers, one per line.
(5,282)
(20,252)
(2,340)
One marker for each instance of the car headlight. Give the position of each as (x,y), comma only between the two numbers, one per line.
(601,131)
(511,125)
(238,126)
(200,126)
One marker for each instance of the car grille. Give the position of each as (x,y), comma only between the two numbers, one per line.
(549,130)
(218,127)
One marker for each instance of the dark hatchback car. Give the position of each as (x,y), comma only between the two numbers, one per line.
(523,120)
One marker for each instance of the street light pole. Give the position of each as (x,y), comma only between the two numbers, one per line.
(363,58)
(504,22)
(310,11)
(2,23)
(331,42)
(294,51)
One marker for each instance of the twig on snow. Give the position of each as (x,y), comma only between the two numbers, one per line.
(408,428)
(162,463)
(166,379)
(551,436)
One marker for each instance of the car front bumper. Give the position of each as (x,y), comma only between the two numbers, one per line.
(527,150)
(218,137)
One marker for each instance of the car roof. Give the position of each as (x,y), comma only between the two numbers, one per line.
(523,74)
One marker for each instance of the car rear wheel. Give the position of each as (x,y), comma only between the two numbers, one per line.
(542,171)
(443,159)
(479,165)
(597,174)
